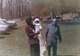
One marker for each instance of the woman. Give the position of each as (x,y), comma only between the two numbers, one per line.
(34,42)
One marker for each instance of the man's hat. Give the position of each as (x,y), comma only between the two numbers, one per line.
(54,17)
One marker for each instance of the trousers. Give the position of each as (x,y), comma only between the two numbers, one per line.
(54,49)
(35,50)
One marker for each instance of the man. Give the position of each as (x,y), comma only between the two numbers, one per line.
(52,33)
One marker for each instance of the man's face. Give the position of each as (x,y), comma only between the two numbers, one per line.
(54,20)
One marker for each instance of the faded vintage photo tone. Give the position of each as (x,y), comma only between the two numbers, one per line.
(39,27)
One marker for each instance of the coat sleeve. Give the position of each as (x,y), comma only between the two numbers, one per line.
(29,33)
(59,33)
(46,31)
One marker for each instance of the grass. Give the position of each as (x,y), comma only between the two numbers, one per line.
(15,44)
(70,39)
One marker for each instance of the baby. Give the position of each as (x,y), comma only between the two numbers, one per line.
(38,28)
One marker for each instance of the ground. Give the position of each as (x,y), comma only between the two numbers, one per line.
(14,43)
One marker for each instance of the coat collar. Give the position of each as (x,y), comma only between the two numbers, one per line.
(52,24)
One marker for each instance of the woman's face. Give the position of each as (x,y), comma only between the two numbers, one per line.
(31,21)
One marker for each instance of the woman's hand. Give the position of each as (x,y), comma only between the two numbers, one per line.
(37,32)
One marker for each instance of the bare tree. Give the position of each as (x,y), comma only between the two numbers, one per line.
(1,6)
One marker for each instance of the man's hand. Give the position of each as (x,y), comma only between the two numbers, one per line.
(60,41)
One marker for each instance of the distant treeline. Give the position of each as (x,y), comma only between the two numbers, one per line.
(10,9)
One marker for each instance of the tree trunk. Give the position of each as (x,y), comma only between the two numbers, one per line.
(10,8)
(21,10)
(1,8)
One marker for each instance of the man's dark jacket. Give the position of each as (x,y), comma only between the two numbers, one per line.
(52,33)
